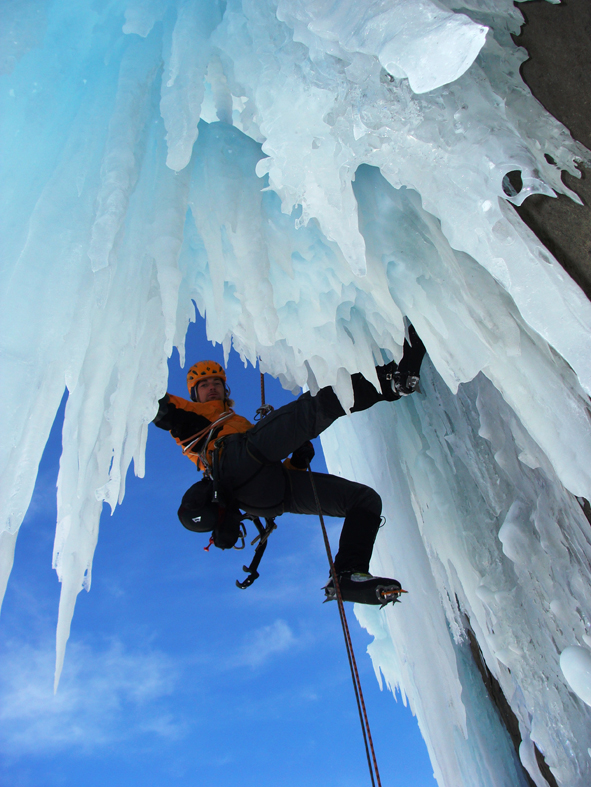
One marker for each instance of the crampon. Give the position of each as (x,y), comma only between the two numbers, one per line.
(365,589)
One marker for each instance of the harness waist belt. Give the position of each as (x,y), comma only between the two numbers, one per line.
(229,438)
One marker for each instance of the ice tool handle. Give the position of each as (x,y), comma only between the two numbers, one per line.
(264,533)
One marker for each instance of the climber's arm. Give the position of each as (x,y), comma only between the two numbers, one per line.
(181,423)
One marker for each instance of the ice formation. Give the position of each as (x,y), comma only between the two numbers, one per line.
(575,663)
(311,173)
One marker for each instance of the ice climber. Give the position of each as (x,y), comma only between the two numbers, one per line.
(250,465)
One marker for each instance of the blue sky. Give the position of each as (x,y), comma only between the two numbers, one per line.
(173,676)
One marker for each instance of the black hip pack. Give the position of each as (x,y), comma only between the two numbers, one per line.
(200,513)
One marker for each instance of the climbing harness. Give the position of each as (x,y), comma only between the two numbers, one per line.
(196,438)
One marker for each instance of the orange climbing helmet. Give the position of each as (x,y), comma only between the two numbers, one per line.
(203,369)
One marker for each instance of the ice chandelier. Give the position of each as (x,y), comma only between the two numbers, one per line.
(310,173)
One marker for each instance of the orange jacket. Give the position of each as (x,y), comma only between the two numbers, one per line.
(190,423)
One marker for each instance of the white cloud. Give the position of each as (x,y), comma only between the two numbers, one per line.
(264,643)
(104,697)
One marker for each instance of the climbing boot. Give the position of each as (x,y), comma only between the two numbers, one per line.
(387,377)
(363,588)
(405,384)
(395,383)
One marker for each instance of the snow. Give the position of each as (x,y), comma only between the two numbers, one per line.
(311,174)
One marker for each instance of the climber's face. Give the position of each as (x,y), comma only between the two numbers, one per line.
(210,389)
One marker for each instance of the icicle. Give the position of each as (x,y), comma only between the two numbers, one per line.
(182,85)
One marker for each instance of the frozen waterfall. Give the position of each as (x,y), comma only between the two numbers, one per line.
(309,174)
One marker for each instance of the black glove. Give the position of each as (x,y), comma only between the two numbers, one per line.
(180,423)
(162,409)
(301,458)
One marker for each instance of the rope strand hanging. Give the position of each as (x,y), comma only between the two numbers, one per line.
(372,764)
(264,409)
(367,739)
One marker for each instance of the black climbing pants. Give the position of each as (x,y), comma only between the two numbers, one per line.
(251,469)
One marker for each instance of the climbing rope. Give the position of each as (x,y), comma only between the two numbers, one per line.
(367,739)
(264,409)
(374,773)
